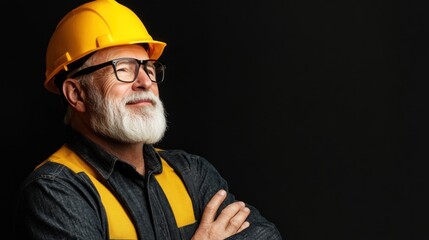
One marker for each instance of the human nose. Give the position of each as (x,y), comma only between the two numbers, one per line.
(143,78)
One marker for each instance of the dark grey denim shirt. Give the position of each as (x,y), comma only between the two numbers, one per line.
(56,203)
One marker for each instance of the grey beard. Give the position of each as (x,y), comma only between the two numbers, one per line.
(112,119)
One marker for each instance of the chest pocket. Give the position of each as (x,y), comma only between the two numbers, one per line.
(120,224)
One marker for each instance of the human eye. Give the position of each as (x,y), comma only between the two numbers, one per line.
(126,69)
(125,66)
(150,69)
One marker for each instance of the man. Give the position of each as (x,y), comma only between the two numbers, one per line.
(108,181)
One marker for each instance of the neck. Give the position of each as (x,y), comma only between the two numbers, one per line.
(131,153)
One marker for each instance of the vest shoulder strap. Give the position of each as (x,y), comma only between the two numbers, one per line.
(119,223)
(177,195)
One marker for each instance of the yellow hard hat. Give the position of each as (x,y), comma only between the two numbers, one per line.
(90,27)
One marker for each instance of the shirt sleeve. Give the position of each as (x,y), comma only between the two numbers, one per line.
(59,204)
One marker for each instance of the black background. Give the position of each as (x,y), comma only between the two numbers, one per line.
(314,111)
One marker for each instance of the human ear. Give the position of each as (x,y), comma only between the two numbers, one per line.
(74,95)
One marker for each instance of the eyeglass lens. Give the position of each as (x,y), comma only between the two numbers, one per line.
(128,69)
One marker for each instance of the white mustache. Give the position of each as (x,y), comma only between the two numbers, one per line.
(142,96)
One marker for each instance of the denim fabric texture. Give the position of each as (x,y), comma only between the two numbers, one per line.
(56,203)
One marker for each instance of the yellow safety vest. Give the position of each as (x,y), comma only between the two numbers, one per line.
(120,224)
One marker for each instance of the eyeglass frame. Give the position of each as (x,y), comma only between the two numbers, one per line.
(113,62)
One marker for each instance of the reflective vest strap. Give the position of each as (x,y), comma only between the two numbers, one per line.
(177,195)
(119,223)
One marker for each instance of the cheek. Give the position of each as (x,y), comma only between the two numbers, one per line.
(155,90)
(112,88)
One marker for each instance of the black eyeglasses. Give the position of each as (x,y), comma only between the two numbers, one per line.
(127,69)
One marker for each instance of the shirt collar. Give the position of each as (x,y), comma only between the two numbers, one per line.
(103,161)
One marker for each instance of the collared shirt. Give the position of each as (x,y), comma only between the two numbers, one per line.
(56,203)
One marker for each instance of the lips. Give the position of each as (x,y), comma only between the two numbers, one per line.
(142,101)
